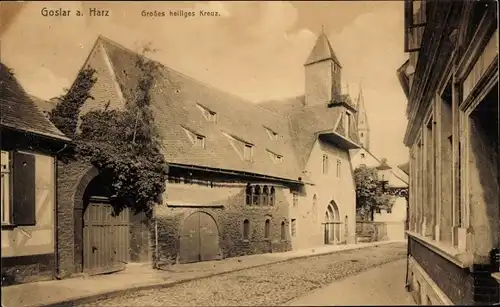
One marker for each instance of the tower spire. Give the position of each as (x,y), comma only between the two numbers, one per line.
(362,119)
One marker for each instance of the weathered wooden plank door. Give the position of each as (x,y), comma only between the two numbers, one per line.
(199,239)
(105,238)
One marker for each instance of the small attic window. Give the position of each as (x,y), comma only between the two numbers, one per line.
(277,158)
(198,140)
(362,156)
(243,148)
(248,152)
(272,134)
(210,115)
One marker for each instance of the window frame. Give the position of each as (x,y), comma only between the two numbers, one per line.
(347,122)
(246,230)
(293,227)
(248,148)
(267,229)
(325,164)
(295,199)
(7,218)
(339,165)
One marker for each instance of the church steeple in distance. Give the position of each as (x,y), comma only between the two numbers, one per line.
(322,73)
(362,121)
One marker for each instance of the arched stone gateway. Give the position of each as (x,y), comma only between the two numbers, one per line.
(89,238)
(199,239)
(332,224)
(106,240)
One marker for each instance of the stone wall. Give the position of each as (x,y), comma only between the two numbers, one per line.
(226,204)
(72,180)
(461,285)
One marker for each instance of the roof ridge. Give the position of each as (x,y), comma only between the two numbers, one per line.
(254,104)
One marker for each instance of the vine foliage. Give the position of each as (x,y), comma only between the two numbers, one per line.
(123,144)
(371,194)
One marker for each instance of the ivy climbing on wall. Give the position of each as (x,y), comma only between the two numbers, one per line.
(123,144)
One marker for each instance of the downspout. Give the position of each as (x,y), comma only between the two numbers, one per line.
(57,273)
(408,282)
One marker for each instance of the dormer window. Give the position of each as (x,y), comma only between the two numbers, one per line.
(209,115)
(272,134)
(243,148)
(198,140)
(275,157)
(248,152)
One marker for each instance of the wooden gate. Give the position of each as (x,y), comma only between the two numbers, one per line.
(199,239)
(105,238)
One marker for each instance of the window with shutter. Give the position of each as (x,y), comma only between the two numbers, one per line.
(23,187)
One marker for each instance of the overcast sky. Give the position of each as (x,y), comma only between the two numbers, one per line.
(254,50)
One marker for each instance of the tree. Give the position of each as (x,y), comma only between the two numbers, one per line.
(370,193)
(122,144)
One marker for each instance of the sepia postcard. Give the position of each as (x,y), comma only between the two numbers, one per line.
(249,153)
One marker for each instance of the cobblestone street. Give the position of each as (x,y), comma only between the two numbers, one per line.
(273,284)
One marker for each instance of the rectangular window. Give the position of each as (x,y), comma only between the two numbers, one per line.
(347,122)
(209,115)
(272,135)
(200,141)
(446,174)
(295,196)
(5,187)
(294,226)
(325,164)
(429,209)
(275,157)
(248,152)
(339,166)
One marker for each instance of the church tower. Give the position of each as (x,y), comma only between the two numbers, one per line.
(322,73)
(362,121)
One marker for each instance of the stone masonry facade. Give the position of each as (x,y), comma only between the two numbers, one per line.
(229,217)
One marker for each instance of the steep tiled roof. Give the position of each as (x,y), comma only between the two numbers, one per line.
(405,168)
(322,50)
(176,102)
(18,110)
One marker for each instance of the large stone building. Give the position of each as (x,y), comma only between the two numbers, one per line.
(451,80)
(244,178)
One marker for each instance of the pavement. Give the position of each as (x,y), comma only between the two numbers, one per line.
(141,277)
(383,285)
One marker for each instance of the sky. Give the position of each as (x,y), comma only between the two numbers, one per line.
(255,50)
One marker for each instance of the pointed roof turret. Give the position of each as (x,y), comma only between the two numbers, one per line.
(360,101)
(322,50)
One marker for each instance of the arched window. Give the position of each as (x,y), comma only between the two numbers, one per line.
(256,195)
(272,196)
(246,229)
(265,196)
(283,231)
(267,229)
(248,195)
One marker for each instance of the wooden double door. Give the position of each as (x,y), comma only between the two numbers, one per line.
(199,239)
(106,238)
